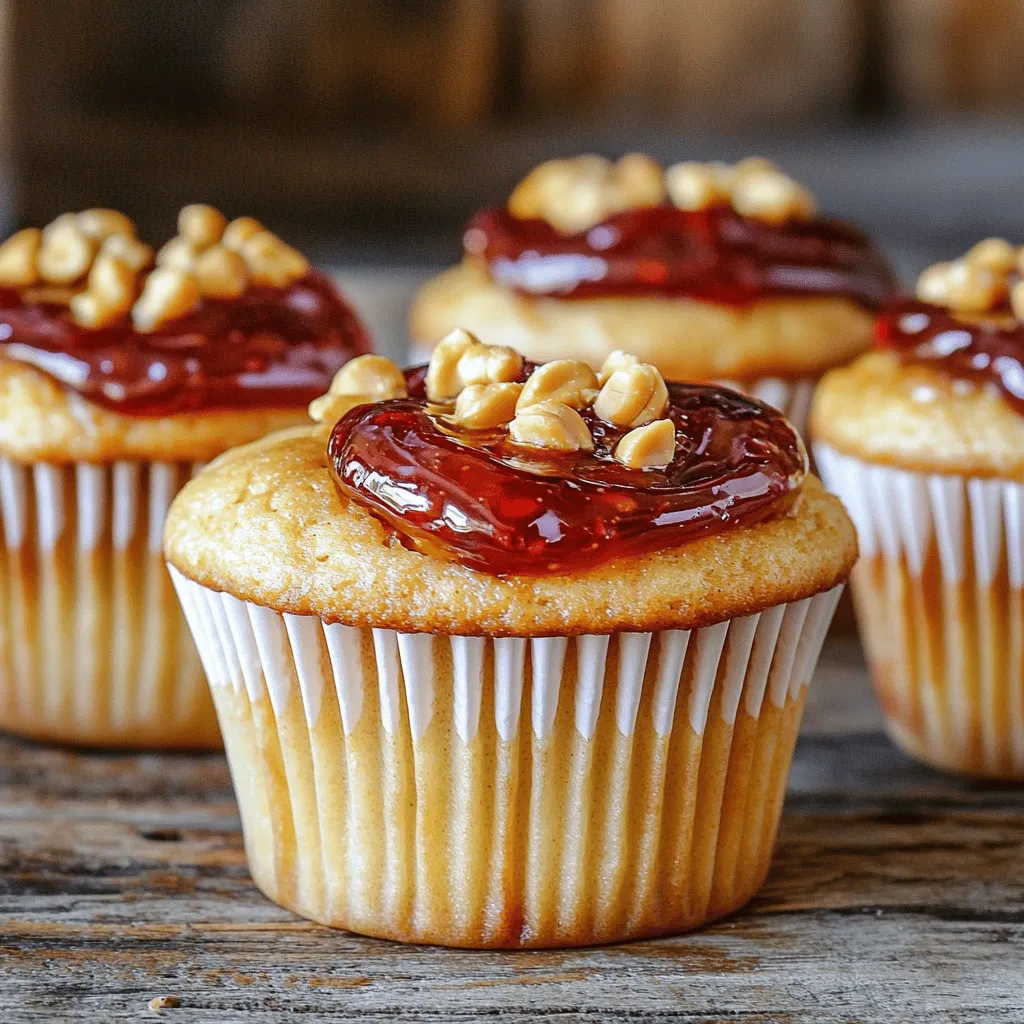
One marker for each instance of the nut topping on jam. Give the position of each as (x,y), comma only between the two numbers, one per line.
(364,379)
(968,318)
(229,316)
(538,475)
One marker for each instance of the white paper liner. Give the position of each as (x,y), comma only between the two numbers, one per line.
(938,590)
(93,646)
(562,736)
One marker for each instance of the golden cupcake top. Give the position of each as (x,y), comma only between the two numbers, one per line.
(944,392)
(224,315)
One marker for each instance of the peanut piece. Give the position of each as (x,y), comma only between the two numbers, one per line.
(18,257)
(375,376)
(167,295)
(552,426)
(178,254)
(110,293)
(650,446)
(1017,300)
(961,286)
(66,253)
(101,224)
(461,359)
(128,250)
(486,406)
(563,380)
(202,225)
(696,186)
(617,360)
(272,262)
(771,196)
(239,231)
(996,254)
(640,180)
(221,273)
(632,397)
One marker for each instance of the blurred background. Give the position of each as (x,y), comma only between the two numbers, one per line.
(366,131)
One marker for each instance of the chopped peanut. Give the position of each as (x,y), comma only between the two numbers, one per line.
(562,380)
(201,225)
(962,286)
(617,360)
(461,359)
(553,426)
(167,295)
(486,406)
(18,256)
(1017,300)
(632,397)
(771,196)
(696,186)
(128,250)
(650,446)
(639,180)
(272,262)
(364,379)
(996,254)
(101,224)
(178,254)
(221,273)
(239,231)
(66,253)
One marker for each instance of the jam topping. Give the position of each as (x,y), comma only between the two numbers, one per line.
(493,505)
(987,348)
(714,254)
(268,347)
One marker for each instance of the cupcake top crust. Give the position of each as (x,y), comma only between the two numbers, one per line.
(707,270)
(944,390)
(225,317)
(485,494)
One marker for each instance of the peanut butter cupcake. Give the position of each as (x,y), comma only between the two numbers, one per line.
(923,439)
(118,379)
(517,655)
(710,272)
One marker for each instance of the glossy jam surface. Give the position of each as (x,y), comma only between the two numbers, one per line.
(494,506)
(991,350)
(269,348)
(716,255)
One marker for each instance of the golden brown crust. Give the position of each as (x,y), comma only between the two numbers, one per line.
(267,524)
(684,338)
(887,410)
(42,421)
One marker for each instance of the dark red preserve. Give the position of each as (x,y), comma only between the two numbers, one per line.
(497,507)
(714,254)
(269,348)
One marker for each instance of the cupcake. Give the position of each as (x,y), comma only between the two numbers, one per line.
(118,379)
(710,272)
(923,439)
(516,655)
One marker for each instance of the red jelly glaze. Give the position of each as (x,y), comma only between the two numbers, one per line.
(503,509)
(269,348)
(716,255)
(989,350)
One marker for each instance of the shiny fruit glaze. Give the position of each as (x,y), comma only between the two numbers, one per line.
(269,348)
(715,255)
(477,498)
(989,349)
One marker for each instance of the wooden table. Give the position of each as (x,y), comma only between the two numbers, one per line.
(897,895)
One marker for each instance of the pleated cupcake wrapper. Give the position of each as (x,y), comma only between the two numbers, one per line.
(938,591)
(503,792)
(93,646)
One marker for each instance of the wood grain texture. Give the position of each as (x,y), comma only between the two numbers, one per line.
(897,895)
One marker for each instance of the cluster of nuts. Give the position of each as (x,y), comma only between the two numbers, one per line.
(575,194)
(93,262)
(542,413)
(979,281)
